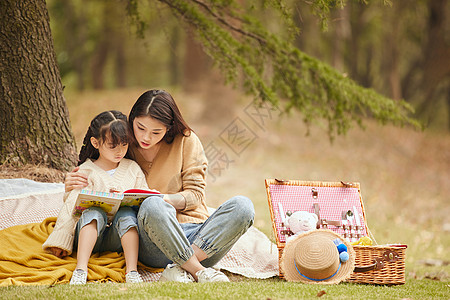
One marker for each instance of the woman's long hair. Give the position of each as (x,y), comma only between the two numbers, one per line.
(109,125)
(160,105)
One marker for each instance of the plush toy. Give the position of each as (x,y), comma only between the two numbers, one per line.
(301,221)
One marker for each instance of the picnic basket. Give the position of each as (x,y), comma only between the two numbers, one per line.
(379,264)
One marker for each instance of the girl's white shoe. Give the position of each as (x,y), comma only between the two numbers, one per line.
(133,277)
(79,276)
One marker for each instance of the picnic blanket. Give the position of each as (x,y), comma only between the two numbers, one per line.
(28,211)
(23,261)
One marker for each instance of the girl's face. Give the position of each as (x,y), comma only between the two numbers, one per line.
(109,154)
(148,131)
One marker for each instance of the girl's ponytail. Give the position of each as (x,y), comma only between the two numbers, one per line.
(87,150)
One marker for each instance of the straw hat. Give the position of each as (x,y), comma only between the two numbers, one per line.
(313,257)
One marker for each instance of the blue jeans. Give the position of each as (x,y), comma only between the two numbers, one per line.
(162,240)
(108,238)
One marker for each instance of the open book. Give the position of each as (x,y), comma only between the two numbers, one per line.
(111,202)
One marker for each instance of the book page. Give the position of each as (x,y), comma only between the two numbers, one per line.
(109,202)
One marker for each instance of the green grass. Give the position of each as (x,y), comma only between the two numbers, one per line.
(404,176)
(246,289)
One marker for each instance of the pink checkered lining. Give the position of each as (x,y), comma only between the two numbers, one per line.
(332,201)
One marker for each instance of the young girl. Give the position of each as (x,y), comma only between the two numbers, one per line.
(102,160)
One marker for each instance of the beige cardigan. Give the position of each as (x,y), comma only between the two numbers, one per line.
(180,168)
(128,175)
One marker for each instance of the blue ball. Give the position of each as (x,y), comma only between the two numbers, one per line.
(343,256)
(342,248)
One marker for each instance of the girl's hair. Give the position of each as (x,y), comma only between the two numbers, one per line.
(159,104)
(109,125)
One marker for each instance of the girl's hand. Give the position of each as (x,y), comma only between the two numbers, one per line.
(75,180)
(58,252)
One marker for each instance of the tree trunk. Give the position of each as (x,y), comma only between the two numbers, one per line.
(75,39)
(103,49)
(174,65)
(436,63)
(34,124)
(340,38)
(197,65)
(392,52)
(120,63)
(206,82)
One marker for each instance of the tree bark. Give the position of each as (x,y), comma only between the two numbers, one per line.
(392,52)
(34,123)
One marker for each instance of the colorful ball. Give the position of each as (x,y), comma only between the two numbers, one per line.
(343,256)
(342,248)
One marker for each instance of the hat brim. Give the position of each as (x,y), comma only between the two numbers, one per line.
(290,272)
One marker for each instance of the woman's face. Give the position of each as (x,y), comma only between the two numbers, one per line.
(148,131)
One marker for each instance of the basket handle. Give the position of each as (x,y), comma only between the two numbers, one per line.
(378,263)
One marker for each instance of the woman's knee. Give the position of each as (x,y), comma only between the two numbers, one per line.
(243,208)
(155,209)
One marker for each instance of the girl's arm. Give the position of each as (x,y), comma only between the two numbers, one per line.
(58,252)
(60,240)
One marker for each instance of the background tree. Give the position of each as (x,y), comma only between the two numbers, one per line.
(264,63)
(34,123)
(272,69)
(400,50)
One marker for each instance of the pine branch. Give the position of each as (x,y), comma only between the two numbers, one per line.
(272,69)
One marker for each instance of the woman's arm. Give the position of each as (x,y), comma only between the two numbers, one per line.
(192,176)
(176,200)
(75,180)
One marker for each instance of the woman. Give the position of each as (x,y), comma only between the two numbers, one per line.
(176,232)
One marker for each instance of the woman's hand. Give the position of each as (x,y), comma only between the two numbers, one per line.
(176,201)
(58,252)
(75,180)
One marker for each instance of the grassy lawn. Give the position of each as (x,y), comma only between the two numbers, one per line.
(246,289)
(404,178)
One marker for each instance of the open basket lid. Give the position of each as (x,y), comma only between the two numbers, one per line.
(331,197)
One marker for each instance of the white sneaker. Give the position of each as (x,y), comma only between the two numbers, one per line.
(133,277)
(174,272)
(79,276)
(211,275)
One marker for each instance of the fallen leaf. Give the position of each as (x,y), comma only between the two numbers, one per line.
(438,276)
(433,262)
(321,293)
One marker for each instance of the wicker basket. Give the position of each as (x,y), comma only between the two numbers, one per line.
(379,264)
(374,264)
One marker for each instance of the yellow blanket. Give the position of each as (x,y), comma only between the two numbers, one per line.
(22,260)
